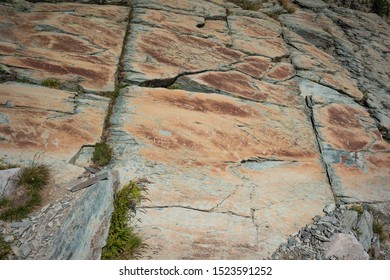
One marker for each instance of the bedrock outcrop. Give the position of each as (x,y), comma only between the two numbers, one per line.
(247,123)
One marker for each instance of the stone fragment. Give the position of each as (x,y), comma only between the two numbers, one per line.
(9,238)
(312,4)
(25,250)
(345,247)
(23,224)
(9,182)
(365,229)
(330,208)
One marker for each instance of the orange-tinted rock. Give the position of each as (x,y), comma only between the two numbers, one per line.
(271,47)
(255,66)
(48,121)
(230,155)
(160,54)
(254,27)
(281,72)
(80,47)
(237,84)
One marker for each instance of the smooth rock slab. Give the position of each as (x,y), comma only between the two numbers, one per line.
(48,121)
(159,54)
(230,176)
(77,44)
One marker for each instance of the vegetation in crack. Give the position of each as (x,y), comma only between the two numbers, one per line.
(5,249)
(247,4)
(32,180)
(123,242)
(290,8)
(51,83)
(381,7)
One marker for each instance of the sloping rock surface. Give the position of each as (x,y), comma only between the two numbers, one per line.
(247,125)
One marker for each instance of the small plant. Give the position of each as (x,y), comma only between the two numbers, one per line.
(33,179)
(51,83)
(381,7)
(290,8)
(357,231)
(122,242)
(5,249)
(378,229)
(247,4)
(102,154)
(5,201)
(35,176)
(358,208)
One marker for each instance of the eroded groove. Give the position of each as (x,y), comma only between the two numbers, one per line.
(309,105)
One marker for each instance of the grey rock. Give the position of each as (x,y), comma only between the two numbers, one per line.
(25,250)
(349,221)
(84,232)
(321,237)
(312,4)
(23,224)
(9,238)
(365,228)
(346,247)
(329,208)
(43,210)
(9,181)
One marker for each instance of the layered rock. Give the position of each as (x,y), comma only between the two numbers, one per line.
(65,41)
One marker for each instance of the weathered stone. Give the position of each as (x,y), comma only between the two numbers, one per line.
(366,233)
(57,128)
(349,221)
(330,208)
(24,250)
(85,229)
(345,247)
(237,84)
(165,120)
(9,182)
(153,55)
(312,4)
(55,41)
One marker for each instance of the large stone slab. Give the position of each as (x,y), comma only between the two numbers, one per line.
(48,121)
(159,54)
(77,44)
(230,176)
(357,157)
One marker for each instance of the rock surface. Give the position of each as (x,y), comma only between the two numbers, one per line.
(247,123)
(345,247)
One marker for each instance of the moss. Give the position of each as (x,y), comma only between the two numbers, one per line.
(102,154)
(5,249)
(290,8)
(4,166)
(122,242)
(51,83)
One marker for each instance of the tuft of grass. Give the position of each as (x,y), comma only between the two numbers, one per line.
(51,83)
(5,201)
(122,242)
(33,179)
(102,154)
(5,249)
(378,229)
(381,7)
(358,208)
(247,4)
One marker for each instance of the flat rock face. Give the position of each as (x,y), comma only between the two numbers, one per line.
(53,122)
(247,125)
(64,41)
(345,247)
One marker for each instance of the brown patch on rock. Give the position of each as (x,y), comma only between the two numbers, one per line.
(254,66)
(56,40)
(281,71)
(272,47)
